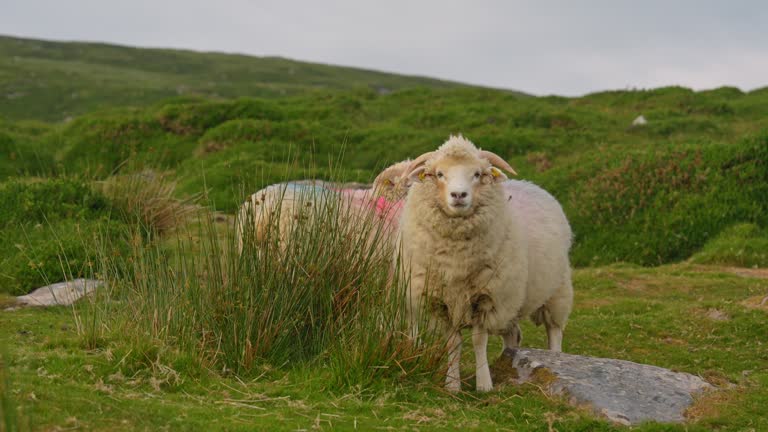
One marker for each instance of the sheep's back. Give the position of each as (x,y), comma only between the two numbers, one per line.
(549,239)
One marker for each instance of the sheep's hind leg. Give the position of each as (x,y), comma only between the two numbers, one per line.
(554,330)
(483,372)
(512,337)
(555,316)
(453,376)
(554,337)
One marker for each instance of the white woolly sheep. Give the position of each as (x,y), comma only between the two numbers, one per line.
(476,261)
(284,204)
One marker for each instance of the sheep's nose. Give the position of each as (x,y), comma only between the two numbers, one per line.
(458,195)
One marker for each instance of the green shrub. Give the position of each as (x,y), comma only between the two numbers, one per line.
(664,189)
(652,207)
(194,119)
(233,132)
(29,201)
(38,255)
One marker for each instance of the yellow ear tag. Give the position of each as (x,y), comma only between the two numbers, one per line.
(422,176)
(495,172)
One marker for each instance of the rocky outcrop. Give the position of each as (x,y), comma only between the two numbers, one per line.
(625,392)
(58,294)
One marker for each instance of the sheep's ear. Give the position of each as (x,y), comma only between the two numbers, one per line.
(497,175)
(418,175)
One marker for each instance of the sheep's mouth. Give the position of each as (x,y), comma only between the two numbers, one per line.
(458,209)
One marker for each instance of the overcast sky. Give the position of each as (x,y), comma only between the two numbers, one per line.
(541,47)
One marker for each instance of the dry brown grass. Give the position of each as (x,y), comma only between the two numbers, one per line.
(757,302)
(149,196)
(711,404)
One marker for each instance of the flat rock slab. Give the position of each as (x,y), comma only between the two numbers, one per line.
(59,294)
(625,392)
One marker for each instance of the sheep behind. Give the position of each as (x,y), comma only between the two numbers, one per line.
(285,204)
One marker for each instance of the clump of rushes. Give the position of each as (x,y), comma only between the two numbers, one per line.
(148,197)
(324,295)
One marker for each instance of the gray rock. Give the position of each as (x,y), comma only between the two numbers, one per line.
(62,293)
(639,121)
(625,392)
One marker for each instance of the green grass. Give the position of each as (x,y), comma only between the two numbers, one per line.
(656,316)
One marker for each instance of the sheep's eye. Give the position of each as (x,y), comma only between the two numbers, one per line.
(439,174)
(477,174)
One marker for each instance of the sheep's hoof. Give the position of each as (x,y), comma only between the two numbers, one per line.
(484,388)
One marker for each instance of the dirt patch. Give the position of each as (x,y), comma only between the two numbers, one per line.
(756,273)
(756,302)
(424,416)
(595,303)
(539,160)
(745,272)
(633,285)
(717,379)
(717,315)
(673,341)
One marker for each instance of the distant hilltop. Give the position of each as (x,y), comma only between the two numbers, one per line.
(51,81)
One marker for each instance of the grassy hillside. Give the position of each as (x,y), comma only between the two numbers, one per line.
(664,189)
(53,81)
(670,223)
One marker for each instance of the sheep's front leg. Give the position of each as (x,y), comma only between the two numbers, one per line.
(453,377)
(483,372)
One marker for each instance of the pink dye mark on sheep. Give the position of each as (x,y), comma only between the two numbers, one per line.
(388,210)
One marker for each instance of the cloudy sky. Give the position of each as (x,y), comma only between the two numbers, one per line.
(540,47)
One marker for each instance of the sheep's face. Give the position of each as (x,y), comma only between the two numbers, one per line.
(390,184)
(458,182)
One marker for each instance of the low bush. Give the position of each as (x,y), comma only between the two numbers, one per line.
(656,206)
(39,201)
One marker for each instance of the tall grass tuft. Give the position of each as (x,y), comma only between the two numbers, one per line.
(149,197)
(321,292)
